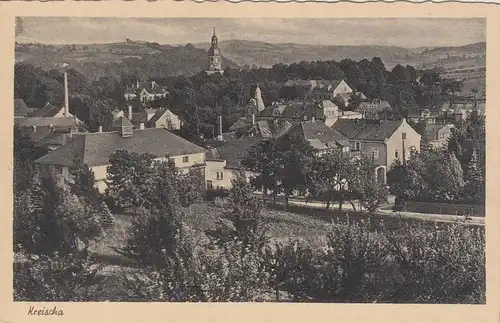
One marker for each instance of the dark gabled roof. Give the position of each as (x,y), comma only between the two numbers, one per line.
(362,129)
(20,108)
(158,114)
(94,149)
(121,122)
(46,121)
(242,123)
(317,131)
(294,110)
(48,110)
(233,151)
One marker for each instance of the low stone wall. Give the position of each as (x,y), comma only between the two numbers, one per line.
(446,208)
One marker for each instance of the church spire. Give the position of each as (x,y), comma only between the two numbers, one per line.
(214,31)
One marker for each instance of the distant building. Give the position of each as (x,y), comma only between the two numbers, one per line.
(224,162)
(321,137)
(371,110)
(157,118)
(146,92)
(438,134)
(39,128)
(214,58)
(331,90)
(430,116)
(94,149)
(383,140)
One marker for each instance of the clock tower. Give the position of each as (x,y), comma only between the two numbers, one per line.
(214,59)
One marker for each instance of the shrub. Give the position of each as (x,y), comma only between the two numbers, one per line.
(56,278)
(197,271)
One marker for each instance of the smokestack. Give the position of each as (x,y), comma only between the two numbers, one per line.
(66,95)
(220,125)
(130,112)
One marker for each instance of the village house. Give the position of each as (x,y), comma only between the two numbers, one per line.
(438,134)
(146,92)
(321,137)
(372,110)
(39,128)
(335,90)
(94,149)
(157,118)
(224,162)
(427,115)
(383,140)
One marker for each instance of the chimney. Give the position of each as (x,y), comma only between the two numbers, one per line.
(153,84)
(100,129)
(130,112)
(141,125)
(220,128)
(137,84)
(312,119)
(34,128)
(404,120)
(66,95)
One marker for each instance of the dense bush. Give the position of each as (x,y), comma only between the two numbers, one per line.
(56,278)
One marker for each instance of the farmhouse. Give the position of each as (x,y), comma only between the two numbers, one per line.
(321,137)
(224,162)
(94,149)
(384,140)
(158,118)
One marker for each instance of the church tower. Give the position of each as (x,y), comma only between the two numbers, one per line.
(214,59)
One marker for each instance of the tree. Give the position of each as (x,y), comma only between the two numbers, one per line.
(354,101)
(262,160)
(325,179)
(295,155)
(25,152)
(245,210)
(131,179)
(474,181)
(364,185)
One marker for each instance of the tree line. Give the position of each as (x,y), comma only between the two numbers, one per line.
(92,100)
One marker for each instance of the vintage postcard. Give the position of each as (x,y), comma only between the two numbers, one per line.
(292,157)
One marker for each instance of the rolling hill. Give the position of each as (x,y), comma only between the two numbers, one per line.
(154,60)
(141,58)
(265,54)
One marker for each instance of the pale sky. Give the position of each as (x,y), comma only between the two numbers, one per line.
(408,33)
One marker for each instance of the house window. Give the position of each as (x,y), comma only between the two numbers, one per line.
(220,175)
(59,170)
(357,146)
(403,135)
(396,154)
(210,185)
(375,153)
(345,149)
(185,159)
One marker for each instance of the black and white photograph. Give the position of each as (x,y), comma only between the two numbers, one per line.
(281,160)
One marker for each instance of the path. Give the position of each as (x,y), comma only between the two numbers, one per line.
(387,210)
